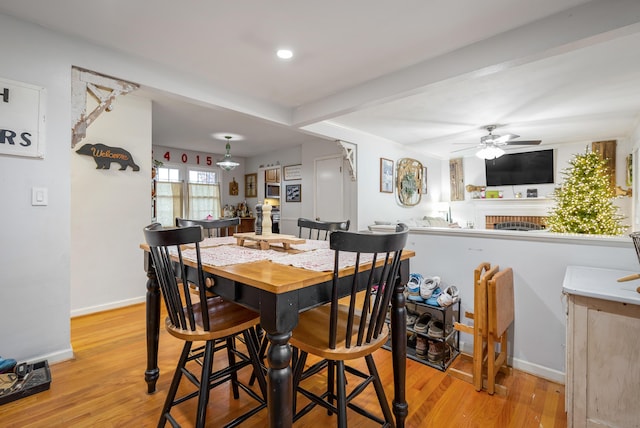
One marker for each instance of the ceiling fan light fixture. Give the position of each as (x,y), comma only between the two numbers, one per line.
(227,163)
(490,152)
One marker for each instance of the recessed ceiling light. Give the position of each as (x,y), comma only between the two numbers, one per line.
(223,136)
(284,54)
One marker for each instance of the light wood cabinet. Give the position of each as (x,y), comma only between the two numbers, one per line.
(603,350)
(272,175)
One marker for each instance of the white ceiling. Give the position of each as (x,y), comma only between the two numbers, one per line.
(422,73)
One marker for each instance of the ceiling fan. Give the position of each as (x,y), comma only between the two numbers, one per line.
(490,146)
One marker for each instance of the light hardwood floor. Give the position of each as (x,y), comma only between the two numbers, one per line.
(104,387)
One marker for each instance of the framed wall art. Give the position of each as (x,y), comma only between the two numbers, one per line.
(456,177)
(292,172)
(293,192)
(386,175)
(409,181)
(251,185)
(22,109)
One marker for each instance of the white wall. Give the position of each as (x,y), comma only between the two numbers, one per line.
(305,154)
(538,337)
(280,158)
(371,203)
(36,251)
(226,177)
(374,205)
(309,154)
(109,208)
(35,256)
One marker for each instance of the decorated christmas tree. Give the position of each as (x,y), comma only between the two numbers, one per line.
(584,201)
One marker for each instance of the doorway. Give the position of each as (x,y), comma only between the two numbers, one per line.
(329,189)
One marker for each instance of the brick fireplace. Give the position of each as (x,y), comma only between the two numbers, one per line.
(489,212)
(492,220)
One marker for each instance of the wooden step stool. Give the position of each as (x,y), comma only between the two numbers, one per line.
(493,314)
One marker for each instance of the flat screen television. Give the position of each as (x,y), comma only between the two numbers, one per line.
(520,168)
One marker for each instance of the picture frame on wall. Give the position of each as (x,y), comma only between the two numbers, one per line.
(251,185)
(293,192)
(386,175)
(292,172)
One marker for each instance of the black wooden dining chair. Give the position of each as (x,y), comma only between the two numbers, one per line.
(320,230)
(201,319)
(213,228)
(338,333)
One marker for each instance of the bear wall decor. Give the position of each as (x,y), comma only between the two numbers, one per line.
(104,155)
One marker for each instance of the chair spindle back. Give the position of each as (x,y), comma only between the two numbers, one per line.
(386,250)
(174,276)
(212,228)
(320,230)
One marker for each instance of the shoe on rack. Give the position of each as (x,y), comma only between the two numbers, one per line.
(422,323)
(435,329)
(428,285)
(449,296)
(447,352)
(433,300)
(435,352)
(412,340)
(413,287)
(411,319)
(421,347)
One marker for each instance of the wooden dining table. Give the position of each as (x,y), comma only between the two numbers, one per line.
(278,292)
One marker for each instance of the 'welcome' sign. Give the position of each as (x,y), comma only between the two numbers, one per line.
(21,119)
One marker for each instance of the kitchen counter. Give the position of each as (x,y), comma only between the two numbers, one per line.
(601,284)
(603,373)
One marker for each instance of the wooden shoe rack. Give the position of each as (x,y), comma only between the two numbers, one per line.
(447,315)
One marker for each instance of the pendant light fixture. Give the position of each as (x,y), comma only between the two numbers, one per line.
(227,163)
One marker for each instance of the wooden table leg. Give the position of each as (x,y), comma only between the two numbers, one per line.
(279,381)
(399,347)
(279,373)
(152,373)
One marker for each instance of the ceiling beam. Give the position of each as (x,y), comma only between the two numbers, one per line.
(584,25)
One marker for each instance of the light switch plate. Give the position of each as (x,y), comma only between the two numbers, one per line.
(39,196)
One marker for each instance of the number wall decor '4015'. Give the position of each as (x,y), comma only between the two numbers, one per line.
(175,156)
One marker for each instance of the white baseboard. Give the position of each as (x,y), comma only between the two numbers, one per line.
(540,371)
(525,366)
(55,357)
(107,306)
(67,354)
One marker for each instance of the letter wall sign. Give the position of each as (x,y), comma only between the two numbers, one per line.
(22,119)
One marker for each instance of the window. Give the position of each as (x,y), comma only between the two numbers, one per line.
(201,190)
(168,196)
(204,194)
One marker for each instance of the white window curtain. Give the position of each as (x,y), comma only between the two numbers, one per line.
(203,200)
(169,202)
